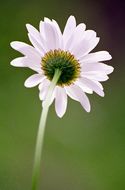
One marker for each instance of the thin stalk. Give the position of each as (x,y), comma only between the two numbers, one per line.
(41,130)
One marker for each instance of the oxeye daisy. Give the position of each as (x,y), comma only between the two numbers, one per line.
(64,67)
(69,52)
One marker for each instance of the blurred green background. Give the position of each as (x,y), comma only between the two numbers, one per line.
(81,151)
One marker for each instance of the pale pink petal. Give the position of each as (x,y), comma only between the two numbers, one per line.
(52,97)
(69,29)
(36,39)
(57,27)
(85,46)
(92,85)
(47,20)
(96,57)
(60,101)
(51,36)
(31,62)
(93,44)
(33,31)
(95,75)
(84,87)
(34,64)
(97,67)
(42,31)
(80,49)
(33,80)
(89,34)
(24,48)
(71,93)
(19,62)
(59,34)
(57,31)
(99,85)
(43,87)
(37,45)
(76,36)
(76,93)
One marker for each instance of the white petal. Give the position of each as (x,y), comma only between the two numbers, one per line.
(51,36)
(33,80)
(76,36)
(37,45)
(97,56)
(36,39)
(93,44)
(99,85)
(24,48)
(60,101)
(31,62)
(41,28)
(97,67)
(82,46)
(52,97)
(84,87)
(43,87)
(89,34)
(107,68)
(85,46)
(47,20)
(59,34)
(92,85)
(77,94)
(34,64)
(95,75)
(69,28)
(71,93)
(33,31)
(80,49)
(57,27)
(19,62)
(45,82)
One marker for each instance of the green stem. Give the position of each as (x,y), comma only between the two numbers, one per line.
(40,136)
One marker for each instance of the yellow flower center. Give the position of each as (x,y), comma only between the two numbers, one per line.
(65,62)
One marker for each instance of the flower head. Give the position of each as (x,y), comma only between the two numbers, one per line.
(69,52)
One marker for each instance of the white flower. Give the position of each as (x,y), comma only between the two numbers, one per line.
(81,71)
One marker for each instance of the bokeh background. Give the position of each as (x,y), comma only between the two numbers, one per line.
(81,151)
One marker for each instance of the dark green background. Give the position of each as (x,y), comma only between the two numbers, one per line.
(82,151)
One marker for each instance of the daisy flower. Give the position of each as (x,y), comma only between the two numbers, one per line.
(64,67)
(81,71)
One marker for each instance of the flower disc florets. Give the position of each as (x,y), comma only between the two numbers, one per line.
(63,61)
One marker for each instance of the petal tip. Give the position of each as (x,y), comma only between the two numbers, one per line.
(27,25)
(71,17)
(26,84)
(12,63)
(12,44)
(111,70)
(98,39)
(88,109)
(103,94)
(110,57)
(60,115)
